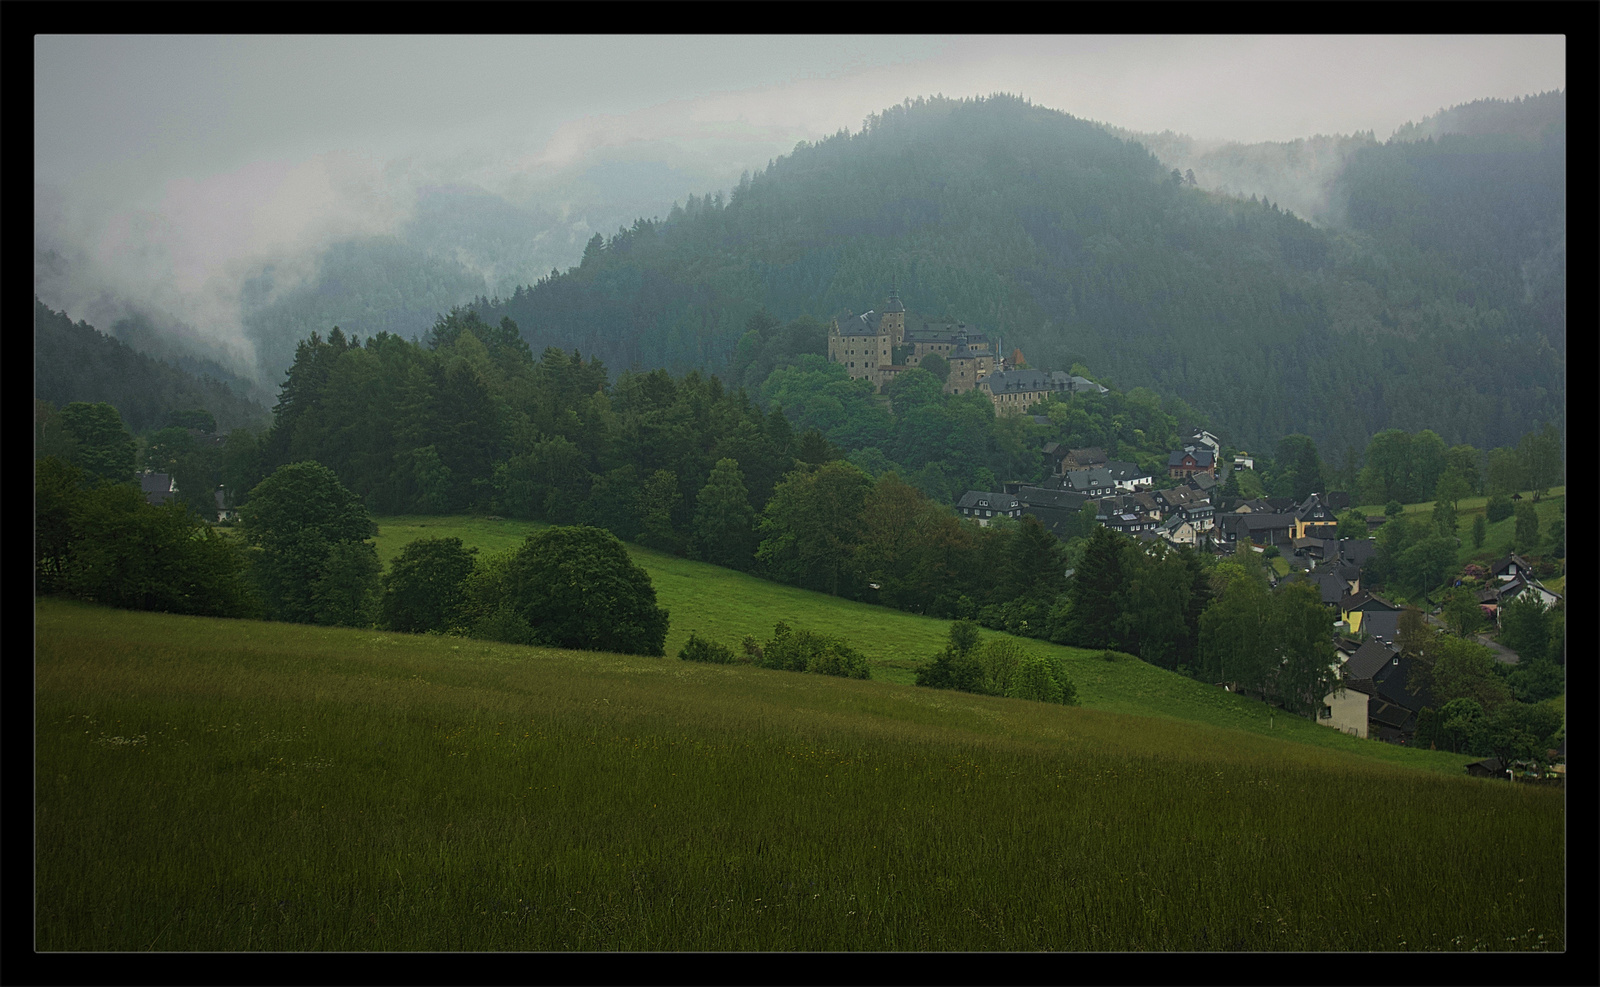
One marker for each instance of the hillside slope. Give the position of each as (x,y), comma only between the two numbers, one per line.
(272,787)
(1074,245)
(77,362)
(725,605)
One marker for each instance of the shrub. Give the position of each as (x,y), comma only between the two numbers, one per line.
(807,651)
(504,625)
(751,650)
(1033,680)
(702,649)
(1499,508)
(577,588)
(425,588)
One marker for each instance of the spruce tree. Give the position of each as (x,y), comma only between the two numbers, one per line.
(1096,591)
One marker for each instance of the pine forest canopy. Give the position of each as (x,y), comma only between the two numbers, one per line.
(1439,305)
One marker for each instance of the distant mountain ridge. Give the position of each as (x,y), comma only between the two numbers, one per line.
(1077,246)
(77,362)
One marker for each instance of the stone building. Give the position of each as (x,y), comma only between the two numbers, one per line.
(866,345)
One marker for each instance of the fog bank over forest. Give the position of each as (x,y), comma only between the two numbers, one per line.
(212,200)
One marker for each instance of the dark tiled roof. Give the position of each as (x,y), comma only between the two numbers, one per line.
(1056,499)
(1368,660)
(859,325)
(1014,381)
(1381,623)
(1357,550)
(1388,714)
(1365,597)
(1202,458)
(988,501)
(1125,471)
(157,487)
(1089,479)
(1392,687)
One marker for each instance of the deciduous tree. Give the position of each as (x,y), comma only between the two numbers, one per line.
(294,519)
(576,587)
(425,588)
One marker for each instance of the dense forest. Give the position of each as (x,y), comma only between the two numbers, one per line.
(77,362)
(1437,307)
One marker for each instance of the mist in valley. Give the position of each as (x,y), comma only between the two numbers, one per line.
(212,201)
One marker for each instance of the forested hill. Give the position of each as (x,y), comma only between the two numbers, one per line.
(77,362)
(1079,247)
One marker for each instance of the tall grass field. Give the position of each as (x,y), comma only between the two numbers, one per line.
(208,784)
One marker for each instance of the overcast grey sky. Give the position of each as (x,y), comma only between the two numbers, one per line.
(174,163)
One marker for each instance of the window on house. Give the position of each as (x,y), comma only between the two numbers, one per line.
(1326,713)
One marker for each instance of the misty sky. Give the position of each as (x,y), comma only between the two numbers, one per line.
(171,165)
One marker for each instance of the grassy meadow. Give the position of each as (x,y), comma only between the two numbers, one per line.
(1498,535)
(727,605)
(207,784)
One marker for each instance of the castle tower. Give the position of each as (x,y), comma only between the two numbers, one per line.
(894,315)
(963,366)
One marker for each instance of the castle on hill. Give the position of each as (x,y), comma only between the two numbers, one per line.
(878,346)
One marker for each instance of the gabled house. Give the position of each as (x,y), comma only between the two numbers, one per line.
(1498,596)
(1128,522)
(1328,584)
(1382,673)
(1129,476)
(1178,531)
(1143,502)
(1489,767)
(225,510)
(1054,498)
(1203,482)
(1083,459)
(983,507)
(1356,608)
(1356,551)
(1177,497)
(1093,483)
(1261,529)
(1510,568)
(158,488)
(1195,439)
(1181,465)
(1314,519)
(1199,514)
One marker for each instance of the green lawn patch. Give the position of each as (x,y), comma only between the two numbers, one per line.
(208,784)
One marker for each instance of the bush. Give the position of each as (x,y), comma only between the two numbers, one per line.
(425,588)
(807,651)
(1000,667)
(1499,508)
(702,649)
(1034,680)
(504,625)
(577,588)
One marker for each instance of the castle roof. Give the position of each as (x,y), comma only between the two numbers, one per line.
(865,324)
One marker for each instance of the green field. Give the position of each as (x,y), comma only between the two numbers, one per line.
(210,784)
(727,605)
(1498,535)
